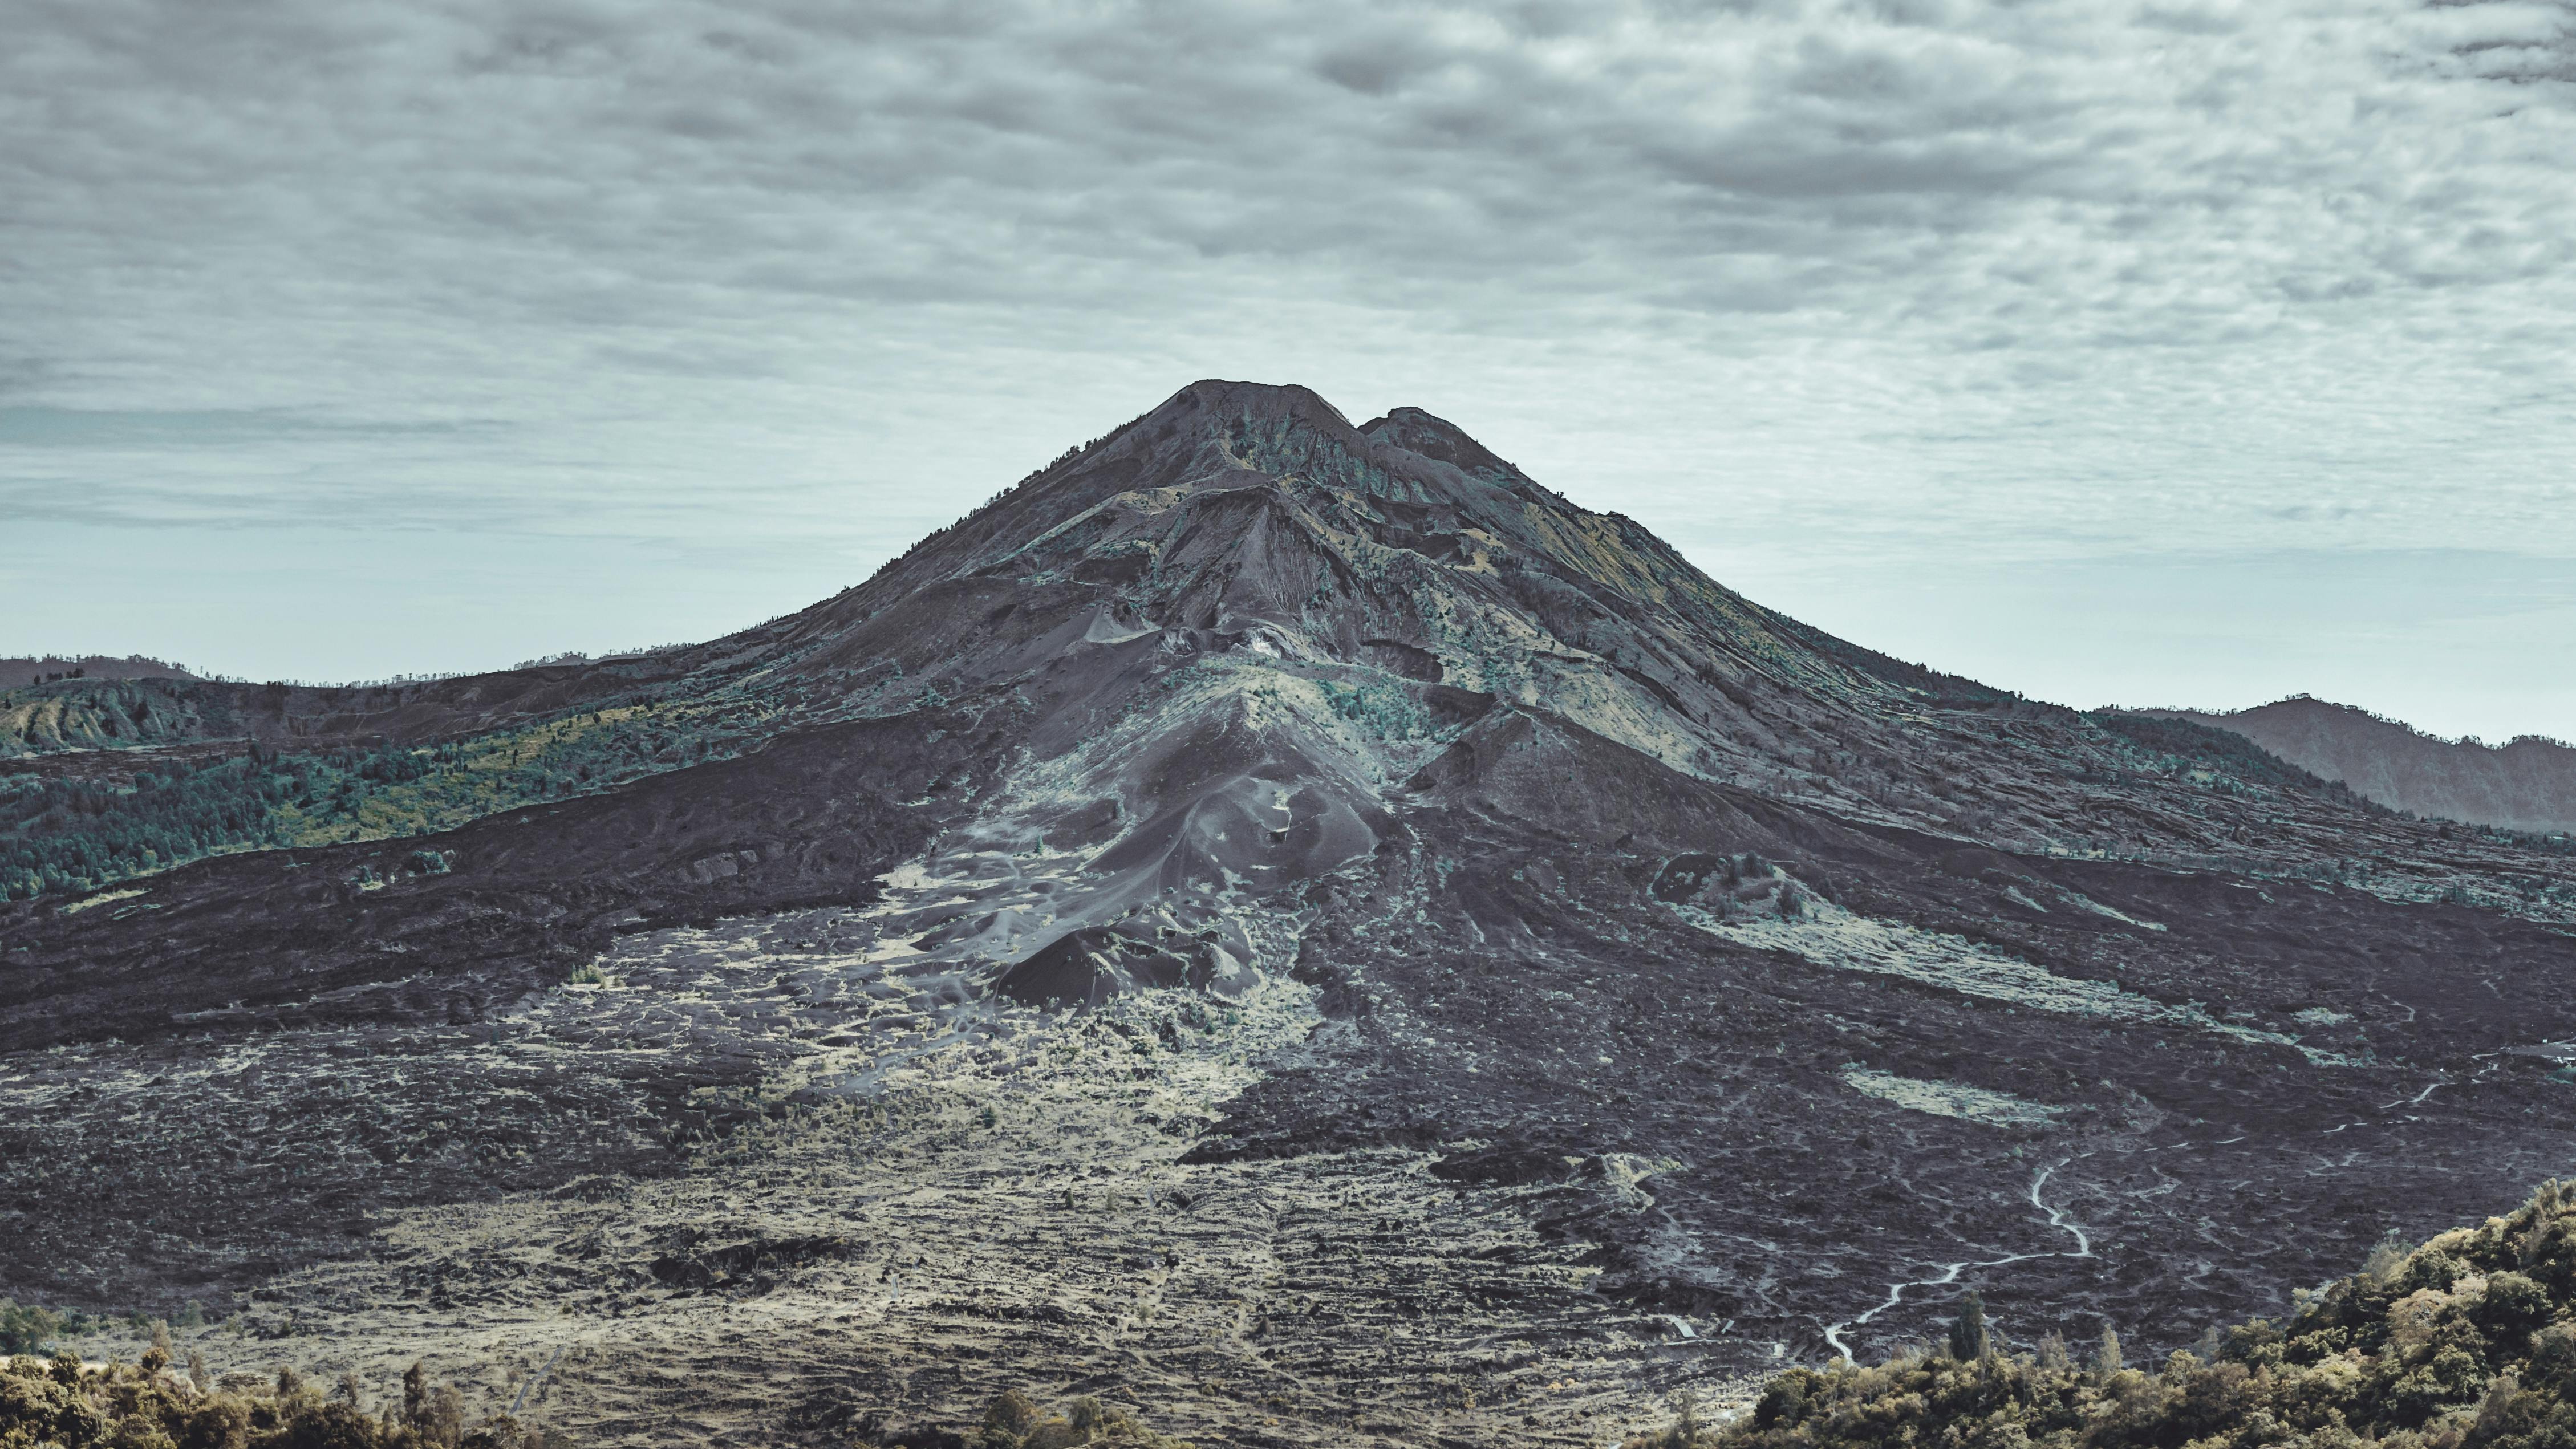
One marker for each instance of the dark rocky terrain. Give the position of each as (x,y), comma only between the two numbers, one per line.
(1293,922)
(2523,784)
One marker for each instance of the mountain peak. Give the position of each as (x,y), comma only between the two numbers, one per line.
(1434,437)
(1266,401)
(1414,430)
(1238,514)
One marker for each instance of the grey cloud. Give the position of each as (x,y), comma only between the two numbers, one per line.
(25,375)
(2192,19)
(40,427)
(1376,65)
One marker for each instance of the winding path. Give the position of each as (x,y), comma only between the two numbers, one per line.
(1950,1271)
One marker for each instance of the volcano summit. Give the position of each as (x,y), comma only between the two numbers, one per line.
(1294,923)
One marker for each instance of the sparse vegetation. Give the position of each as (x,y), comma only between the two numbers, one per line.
(26,1328)
(1382,709)
(2467,1342)
(2186,743)
(29,1327)
(1013,1421)
(1944,691)
(145,1406)
(71,835)
(42,669)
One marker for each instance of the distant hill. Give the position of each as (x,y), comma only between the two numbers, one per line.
(2527,784)
(32,668)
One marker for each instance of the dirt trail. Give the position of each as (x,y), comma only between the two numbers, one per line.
(1950,1271)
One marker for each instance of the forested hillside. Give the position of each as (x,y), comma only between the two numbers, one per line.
(63,832)
(2524,784)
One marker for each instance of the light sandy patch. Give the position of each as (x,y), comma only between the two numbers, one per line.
(1013,1210)
(2084,902)
(1951,1099)
(1828,935)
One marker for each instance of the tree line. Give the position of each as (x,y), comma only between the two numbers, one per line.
(60,835)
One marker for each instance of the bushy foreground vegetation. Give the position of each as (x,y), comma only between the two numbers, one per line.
(69,835)
(2468,1342)
(25,1328)
(146,1406)
(1013,1421)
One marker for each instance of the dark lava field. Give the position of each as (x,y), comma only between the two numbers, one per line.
(1292,925)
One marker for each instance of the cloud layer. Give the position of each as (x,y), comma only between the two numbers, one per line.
(1880,285)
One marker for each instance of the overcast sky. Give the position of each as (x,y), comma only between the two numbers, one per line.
(2185,352)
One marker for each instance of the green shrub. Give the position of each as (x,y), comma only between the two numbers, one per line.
(63,836)
(2467,1342)
(1382,709)
(1968,1333)
(1012,1421)
(26,1328)
(140,1406)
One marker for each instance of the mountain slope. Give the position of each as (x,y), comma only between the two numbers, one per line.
(1299,922)
(2525,784)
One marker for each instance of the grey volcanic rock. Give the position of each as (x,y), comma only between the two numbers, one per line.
(2523,784)
(1303,926)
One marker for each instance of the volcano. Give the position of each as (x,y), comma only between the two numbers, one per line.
(1292,922)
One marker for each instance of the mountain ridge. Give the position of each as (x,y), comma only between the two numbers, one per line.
(32,667)
(2526,783)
